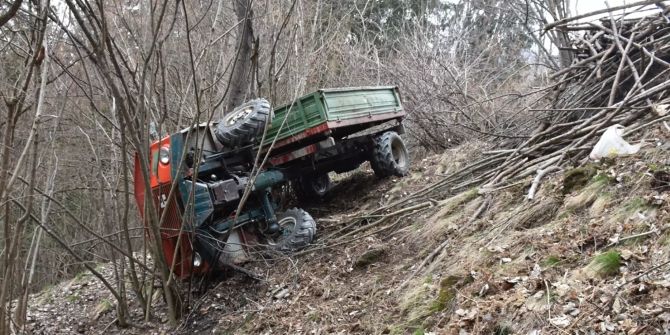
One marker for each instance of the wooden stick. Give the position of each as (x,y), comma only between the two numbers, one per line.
(601,11)
(536,181)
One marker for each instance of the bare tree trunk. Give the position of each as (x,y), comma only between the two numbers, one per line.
(241,83)
(11,244)
(29,271)
(123,223)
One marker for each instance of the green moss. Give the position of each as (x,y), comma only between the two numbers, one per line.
(79,277)
(588,195)
(451,203)
(369,257)
(605,264)
(577,178)
(422,301)
(419,331)
(551,261)
(446,294)
(602,178)
(72,298)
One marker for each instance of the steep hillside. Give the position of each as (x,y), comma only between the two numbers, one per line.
(589,253)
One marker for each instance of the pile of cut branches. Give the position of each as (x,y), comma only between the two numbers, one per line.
(620,75)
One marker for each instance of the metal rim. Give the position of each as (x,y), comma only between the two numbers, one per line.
(239,115)
(320,184)
(284,223)
(398,152)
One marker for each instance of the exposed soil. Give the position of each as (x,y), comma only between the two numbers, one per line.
(589,259)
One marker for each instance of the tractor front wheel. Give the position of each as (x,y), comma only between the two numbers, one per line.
(297,230)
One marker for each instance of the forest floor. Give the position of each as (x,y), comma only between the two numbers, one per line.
(588,255)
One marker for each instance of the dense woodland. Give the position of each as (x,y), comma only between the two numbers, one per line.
(85,85)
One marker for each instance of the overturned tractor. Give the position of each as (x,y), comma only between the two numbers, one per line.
(213,183)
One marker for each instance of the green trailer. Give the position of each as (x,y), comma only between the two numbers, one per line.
(336,130)
(339,110)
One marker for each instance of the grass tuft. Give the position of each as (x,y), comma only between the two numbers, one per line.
(588,195)
(605,264)
(502,330)
(551,261)
(449,213)
(634,205)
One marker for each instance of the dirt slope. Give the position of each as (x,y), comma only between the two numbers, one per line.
(588,254)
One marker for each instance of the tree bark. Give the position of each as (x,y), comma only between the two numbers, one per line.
(241,88)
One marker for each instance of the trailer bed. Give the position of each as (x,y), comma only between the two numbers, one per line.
(333,112)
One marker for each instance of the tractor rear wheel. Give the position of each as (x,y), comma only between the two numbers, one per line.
(298,230)
(244,124)
(312,188)
(389,155)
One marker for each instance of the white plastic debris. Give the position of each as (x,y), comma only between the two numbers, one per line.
(611,144)
(660,109)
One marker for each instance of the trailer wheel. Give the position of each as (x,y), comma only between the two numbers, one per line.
(312,187)
(298,229)
(389,155)
(244,124)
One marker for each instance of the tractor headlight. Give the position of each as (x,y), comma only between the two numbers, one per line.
(197,260)
(164,155)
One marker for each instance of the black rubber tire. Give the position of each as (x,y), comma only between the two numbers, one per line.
(389,156)
(244,124)
(298,230)
(312,188)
